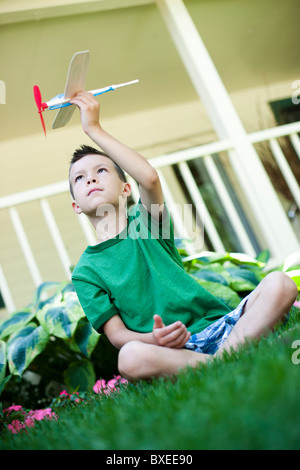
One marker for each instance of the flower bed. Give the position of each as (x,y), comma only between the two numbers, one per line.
(17,419)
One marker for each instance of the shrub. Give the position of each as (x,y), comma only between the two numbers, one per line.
(51,345)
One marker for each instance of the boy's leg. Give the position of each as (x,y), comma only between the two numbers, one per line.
(268,304)
(139,360)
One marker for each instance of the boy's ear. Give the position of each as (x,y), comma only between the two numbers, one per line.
(126,190)
(76,208)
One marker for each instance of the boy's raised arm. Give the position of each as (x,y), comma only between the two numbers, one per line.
(128,159)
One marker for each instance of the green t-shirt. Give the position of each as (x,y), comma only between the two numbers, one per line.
(139,273)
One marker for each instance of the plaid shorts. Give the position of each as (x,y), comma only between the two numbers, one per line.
(211,338)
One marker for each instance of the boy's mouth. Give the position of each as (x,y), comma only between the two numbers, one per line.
(93,190)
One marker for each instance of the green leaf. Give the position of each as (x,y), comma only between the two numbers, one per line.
(24,346)
(244,279)
(2,360)
(67,288)
(45,293)
(4,382)
(295,275)
(3,363)
(292,261)
(84,339)
(211,275)
(224,293)
(73,306)
(263,256)
(80,376)
(15,322)
(236,258)
(60,319)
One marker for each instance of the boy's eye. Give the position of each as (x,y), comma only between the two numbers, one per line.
(100,170)
(78,178)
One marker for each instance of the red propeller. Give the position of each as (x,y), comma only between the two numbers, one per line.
(41,106)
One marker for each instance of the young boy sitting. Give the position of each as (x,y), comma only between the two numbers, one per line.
(132,285)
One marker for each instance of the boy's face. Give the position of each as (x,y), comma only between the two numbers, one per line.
(95,182)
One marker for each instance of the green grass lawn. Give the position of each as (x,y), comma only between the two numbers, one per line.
(248,400)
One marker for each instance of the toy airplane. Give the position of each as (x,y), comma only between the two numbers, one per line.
(75,82)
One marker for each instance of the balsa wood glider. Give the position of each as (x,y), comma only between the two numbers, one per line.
(75,82)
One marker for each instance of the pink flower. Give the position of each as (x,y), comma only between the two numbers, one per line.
(29,418)
(15,426)
(112,383)
(120,379)
(99,386)
(38,415)
(297,303)
(102,387)
(14,408)
(29,421)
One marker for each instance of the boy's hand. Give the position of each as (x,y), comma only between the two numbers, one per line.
(89,111)
(171,336)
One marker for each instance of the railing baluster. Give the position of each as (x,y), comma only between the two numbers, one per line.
(87,229)
(228,205)
(20,232)
(58,241)
(201,208)
(5,292)
(176,213)
(286,170)
(296,143)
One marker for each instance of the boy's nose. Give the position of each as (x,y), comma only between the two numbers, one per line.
(91,180)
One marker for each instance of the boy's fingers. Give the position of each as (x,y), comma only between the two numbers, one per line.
(172,334)
(84,96)
(179,342)
(174,327)
(158,323)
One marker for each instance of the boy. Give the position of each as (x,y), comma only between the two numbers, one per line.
(132,285)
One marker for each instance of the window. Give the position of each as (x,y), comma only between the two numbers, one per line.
(215,207)
(2,304)
(285,111)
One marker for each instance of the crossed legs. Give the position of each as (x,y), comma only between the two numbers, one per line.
(266,306)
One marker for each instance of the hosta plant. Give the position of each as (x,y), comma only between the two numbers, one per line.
(49,345)
(231,276)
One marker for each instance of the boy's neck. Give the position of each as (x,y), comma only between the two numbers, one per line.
(109,222)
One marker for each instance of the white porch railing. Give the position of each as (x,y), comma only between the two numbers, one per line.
(181,159)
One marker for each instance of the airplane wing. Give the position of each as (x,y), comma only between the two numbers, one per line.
(75,82)
(63,116)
